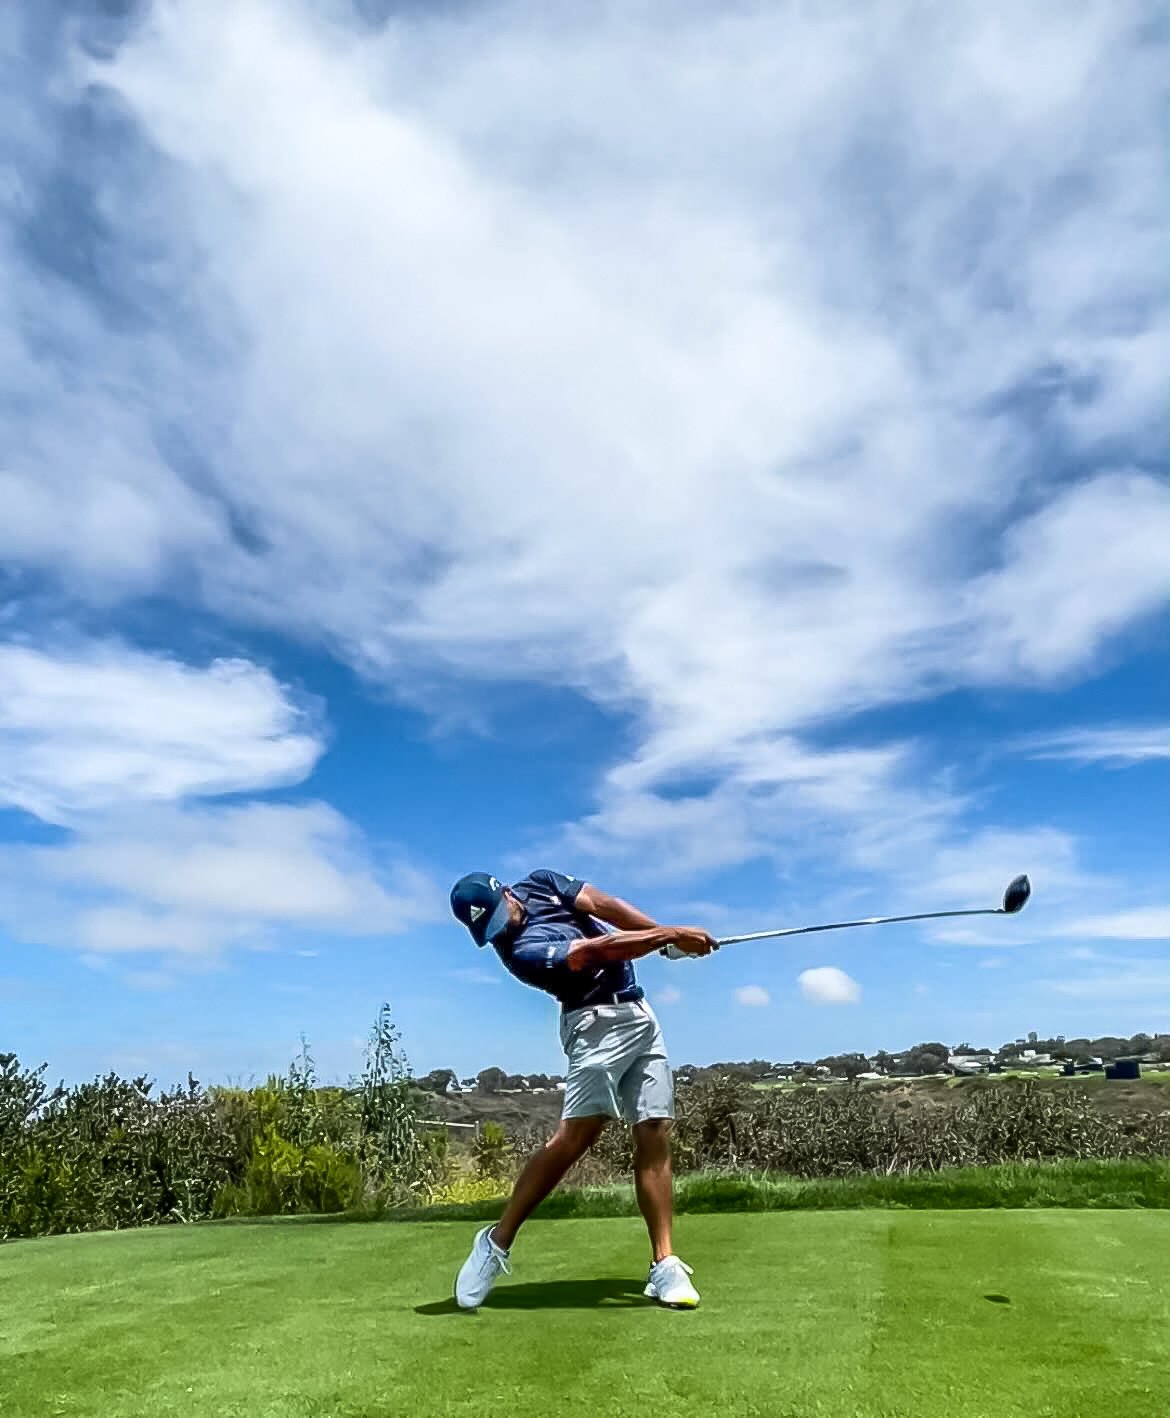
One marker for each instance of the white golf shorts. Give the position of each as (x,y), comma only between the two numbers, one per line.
(617,1063)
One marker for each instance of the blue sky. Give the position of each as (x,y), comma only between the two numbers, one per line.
(715,452)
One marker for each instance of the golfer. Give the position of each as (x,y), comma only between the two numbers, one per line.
(546,930)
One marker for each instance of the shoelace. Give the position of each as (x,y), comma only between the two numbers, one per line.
(672,1260)
(495,1257)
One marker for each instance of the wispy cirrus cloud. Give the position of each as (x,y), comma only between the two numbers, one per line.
(1124,981)
(1135,923)
(1113,746)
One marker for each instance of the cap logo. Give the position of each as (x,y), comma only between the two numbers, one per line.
(475,912)
(493,883)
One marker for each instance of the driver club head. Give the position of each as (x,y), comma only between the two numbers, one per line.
(1015,898)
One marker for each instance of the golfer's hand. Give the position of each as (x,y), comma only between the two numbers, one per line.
(692,940)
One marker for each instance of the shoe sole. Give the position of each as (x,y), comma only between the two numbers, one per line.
(670,1304)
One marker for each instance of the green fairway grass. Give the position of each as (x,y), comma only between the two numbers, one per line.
(988,1314)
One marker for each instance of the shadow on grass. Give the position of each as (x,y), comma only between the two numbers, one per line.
(551,1295)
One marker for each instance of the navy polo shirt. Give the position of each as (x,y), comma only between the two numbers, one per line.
(537,952)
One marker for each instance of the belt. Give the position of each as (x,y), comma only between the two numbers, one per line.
(630,995)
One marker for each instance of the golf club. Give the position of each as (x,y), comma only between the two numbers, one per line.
(1015,898)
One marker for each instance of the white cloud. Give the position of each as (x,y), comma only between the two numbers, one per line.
(1036,620)
(475,975)
(101,724)
(972,873)
(669,994)
(753,996)
(189,883)
(966,935)
(467,306)
(1118,746)
(1124,923)
(114,743)
(1133,981)
(1139,923)
(827,985)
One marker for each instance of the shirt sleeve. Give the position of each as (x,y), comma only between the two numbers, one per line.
(542,952)
(566,888)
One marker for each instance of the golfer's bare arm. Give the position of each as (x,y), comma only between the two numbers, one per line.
(637,934)
(612,909)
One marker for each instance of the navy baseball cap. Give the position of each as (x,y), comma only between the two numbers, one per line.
(478,901)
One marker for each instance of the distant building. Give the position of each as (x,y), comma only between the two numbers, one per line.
(1027,1058)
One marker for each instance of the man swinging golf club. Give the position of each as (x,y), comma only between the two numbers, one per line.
(545,929)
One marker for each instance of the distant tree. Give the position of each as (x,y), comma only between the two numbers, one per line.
(1108,1047)
(490,1080)
(538,1080)
(439,1080)
(925,1058)
(514,1082)
(468,1082)
(882,1061)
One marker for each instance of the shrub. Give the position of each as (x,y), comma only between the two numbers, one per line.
(284,1179)
(109,1153)
(462,1191)
(491,1153)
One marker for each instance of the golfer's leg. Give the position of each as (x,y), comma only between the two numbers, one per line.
(542,1171)
(653,1182)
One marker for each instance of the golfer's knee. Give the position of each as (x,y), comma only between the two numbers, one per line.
(576,1135)
(652,1140)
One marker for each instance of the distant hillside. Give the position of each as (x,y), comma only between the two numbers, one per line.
(518,1111)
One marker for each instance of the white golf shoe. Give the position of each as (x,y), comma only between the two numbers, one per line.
(480,1271)
(669,1284)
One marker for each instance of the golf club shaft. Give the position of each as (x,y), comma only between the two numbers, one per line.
(869,921)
